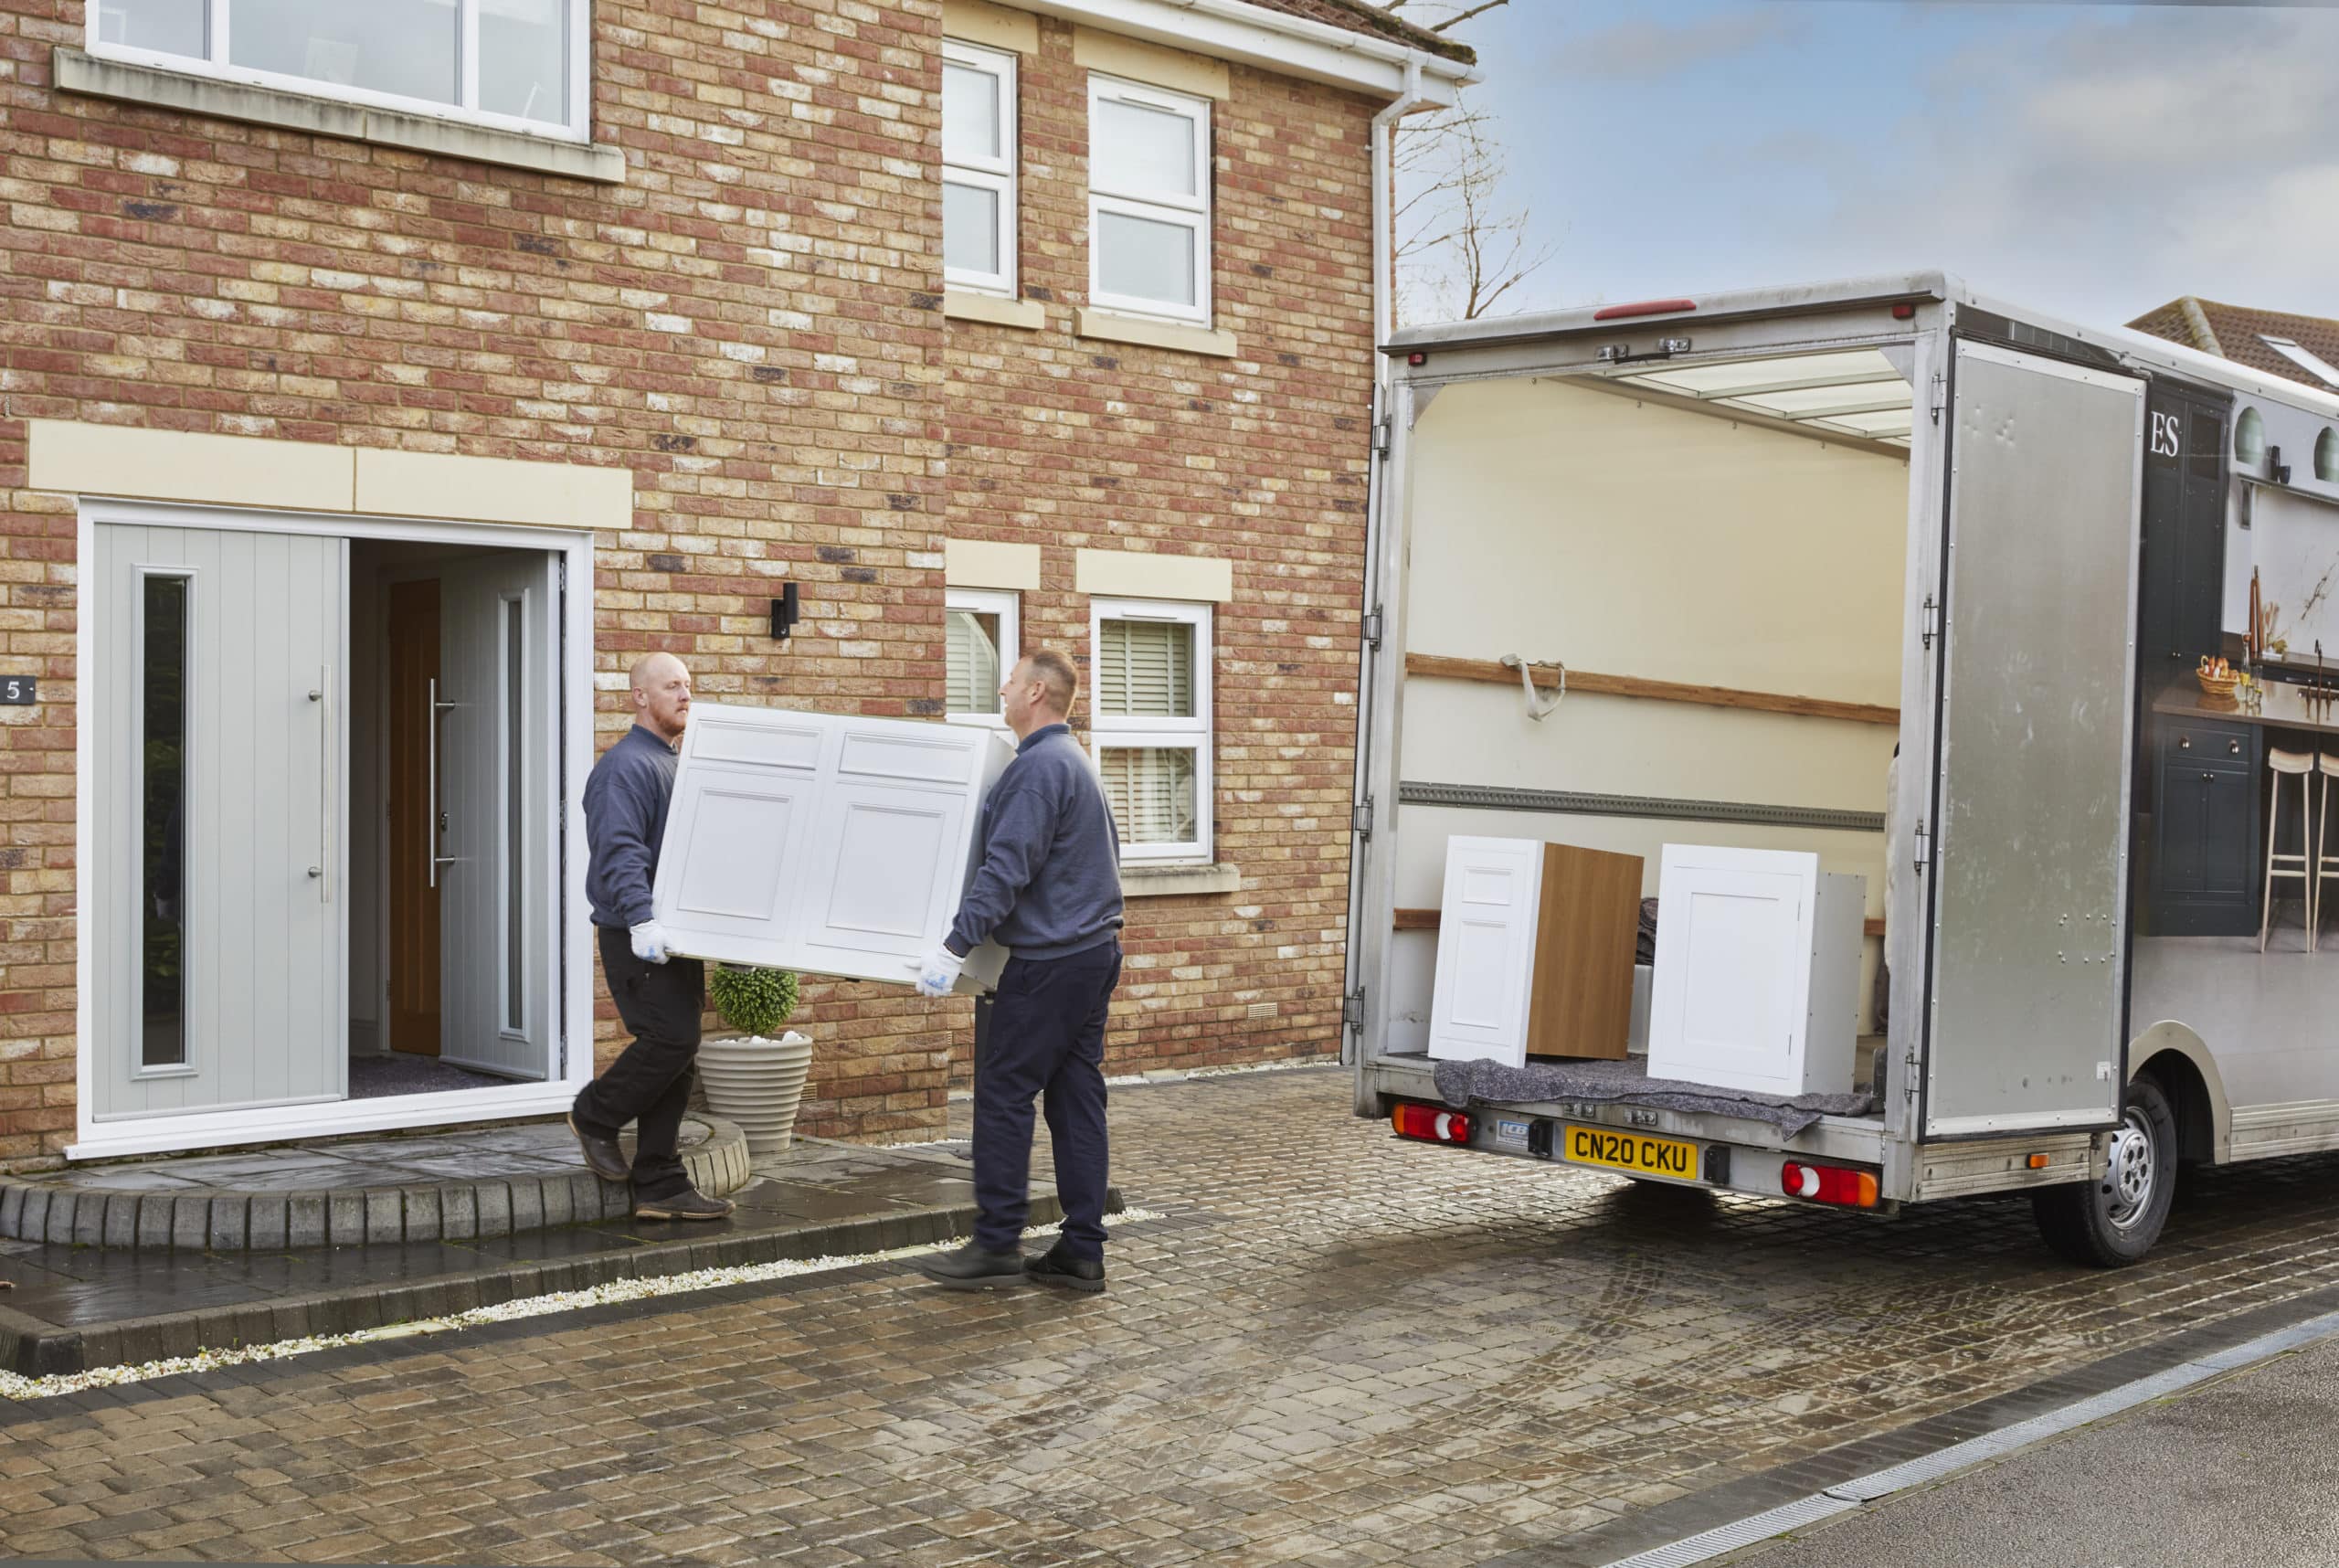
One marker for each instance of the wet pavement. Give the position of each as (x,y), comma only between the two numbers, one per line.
(1332,1348)
(75,1307)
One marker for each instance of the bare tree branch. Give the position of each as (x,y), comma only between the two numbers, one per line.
(1473,11)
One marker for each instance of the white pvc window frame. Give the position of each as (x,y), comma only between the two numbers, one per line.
(1109,732)
(1008,606)
(995,175)
(1190,212)
(216,64)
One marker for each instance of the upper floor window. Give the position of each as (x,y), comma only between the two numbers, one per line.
(518,64)
(1149,200)
(978,168)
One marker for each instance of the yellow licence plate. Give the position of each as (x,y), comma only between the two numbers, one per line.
(1634,1151)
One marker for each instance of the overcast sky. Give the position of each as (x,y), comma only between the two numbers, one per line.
(2090,160)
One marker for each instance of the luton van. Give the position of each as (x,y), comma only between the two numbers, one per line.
(1869,625)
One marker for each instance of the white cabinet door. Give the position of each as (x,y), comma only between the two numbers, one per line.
(821,842)
(1733,957)
(1485,949)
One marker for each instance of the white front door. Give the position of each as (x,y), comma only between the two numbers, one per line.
(1485,949)
(498,620)
(216,904)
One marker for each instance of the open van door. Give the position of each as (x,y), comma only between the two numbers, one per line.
(2028,859)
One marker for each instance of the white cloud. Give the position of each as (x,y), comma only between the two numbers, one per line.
(1646,49)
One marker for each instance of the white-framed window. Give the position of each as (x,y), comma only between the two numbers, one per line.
(1149,200)
(1149,721)
(982,641)
(978,168)
(521,64)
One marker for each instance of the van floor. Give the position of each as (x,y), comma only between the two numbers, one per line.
(1626,1080)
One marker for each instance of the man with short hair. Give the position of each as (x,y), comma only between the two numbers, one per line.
(1048,886)
(659,995)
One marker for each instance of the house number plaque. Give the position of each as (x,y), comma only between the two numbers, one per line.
(20,691)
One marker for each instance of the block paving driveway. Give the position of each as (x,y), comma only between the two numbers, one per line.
(1333,1348)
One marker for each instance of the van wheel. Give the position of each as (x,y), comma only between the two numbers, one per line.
(2113,1223)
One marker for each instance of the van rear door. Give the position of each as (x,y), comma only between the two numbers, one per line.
(2027,854)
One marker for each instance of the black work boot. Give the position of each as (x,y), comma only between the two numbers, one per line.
(1057,1267)
(602,1155)
(686,1204)
(973,1267)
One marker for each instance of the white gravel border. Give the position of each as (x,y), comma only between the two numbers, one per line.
(15,1386)
(1167,1076)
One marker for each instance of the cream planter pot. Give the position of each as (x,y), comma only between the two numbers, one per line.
(758,1083)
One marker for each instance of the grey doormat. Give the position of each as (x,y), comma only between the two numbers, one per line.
(1628,1081)
(372,1077)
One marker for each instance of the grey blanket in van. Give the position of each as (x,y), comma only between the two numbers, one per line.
(1628,1081)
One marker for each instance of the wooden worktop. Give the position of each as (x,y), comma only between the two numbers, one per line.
(2284,707)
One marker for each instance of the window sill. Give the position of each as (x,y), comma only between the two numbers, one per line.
(1110,327)
(75,71)
(960,306)
(1171,881)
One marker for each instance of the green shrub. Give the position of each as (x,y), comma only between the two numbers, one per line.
(755,1001)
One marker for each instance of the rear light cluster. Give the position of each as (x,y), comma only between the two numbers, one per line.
(1430,1123)
(1828,1184)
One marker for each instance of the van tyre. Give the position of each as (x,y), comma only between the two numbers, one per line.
(2113,1223)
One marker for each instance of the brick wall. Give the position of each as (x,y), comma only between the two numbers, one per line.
(1260,458)
(750,324)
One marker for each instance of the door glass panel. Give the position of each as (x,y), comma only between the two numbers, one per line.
(515,841)
(162,751)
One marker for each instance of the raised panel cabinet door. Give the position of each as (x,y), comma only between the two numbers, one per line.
(2229,847)
(1486,951)
(890,835)
(2185,797)
(728,869)
(1733,967)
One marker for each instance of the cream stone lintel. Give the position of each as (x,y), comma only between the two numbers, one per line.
(1028,314)
(985,564)
(1110,327)
(1150,63)
(1142,574)
(142,464)
(993,27)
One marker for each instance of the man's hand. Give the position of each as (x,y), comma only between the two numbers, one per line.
(649,942)
(939,972)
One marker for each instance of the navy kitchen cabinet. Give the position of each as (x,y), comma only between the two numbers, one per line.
(2208,810)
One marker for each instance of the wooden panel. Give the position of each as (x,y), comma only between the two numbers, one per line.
(414,903)
(1439,667)
(1581,1004)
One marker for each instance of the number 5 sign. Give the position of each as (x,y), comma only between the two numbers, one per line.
(20,691)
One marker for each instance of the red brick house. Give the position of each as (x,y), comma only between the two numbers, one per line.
(380,381)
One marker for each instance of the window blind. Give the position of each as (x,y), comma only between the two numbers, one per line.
(1147,668)
(971,646)
(1151,790)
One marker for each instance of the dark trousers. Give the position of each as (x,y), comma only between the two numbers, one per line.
(650,1083)
(1044,1033)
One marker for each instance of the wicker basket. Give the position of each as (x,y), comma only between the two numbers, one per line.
(2217,685)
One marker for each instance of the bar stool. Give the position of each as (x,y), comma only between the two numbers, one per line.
(2325,863)
(2296,765)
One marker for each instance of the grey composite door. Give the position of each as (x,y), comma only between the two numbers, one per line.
(498,808)
(215,902)
(2029,854)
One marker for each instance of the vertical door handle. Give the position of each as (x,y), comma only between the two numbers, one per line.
(321,694)
(432,822)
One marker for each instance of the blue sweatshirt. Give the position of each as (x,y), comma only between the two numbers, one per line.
(624,820)
(1047,883)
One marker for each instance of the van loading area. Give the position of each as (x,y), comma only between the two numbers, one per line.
(1333,1348)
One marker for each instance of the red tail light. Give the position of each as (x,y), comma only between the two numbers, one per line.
(1431,1124)
(1828,1184)
(1644,308)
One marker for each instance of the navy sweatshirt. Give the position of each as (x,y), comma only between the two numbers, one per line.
(1048,878)
(624,820)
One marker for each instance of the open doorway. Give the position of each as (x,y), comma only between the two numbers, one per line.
(453,819)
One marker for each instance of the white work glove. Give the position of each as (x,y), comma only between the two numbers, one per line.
(939,972)
(649,942)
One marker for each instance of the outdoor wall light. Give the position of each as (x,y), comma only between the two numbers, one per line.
(784,612)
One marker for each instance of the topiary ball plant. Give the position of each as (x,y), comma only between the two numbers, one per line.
(754,1000)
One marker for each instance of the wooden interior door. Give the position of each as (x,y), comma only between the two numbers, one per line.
(414,956)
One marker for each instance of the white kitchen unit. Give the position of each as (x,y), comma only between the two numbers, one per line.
(1757,973)
(1486,943)
(823,843)
(1534,951)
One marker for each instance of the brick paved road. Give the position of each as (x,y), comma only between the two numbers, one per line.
(1337,1348)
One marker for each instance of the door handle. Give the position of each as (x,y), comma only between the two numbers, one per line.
(328,802)
(433,820)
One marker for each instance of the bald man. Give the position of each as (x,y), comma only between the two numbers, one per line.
(659,995)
